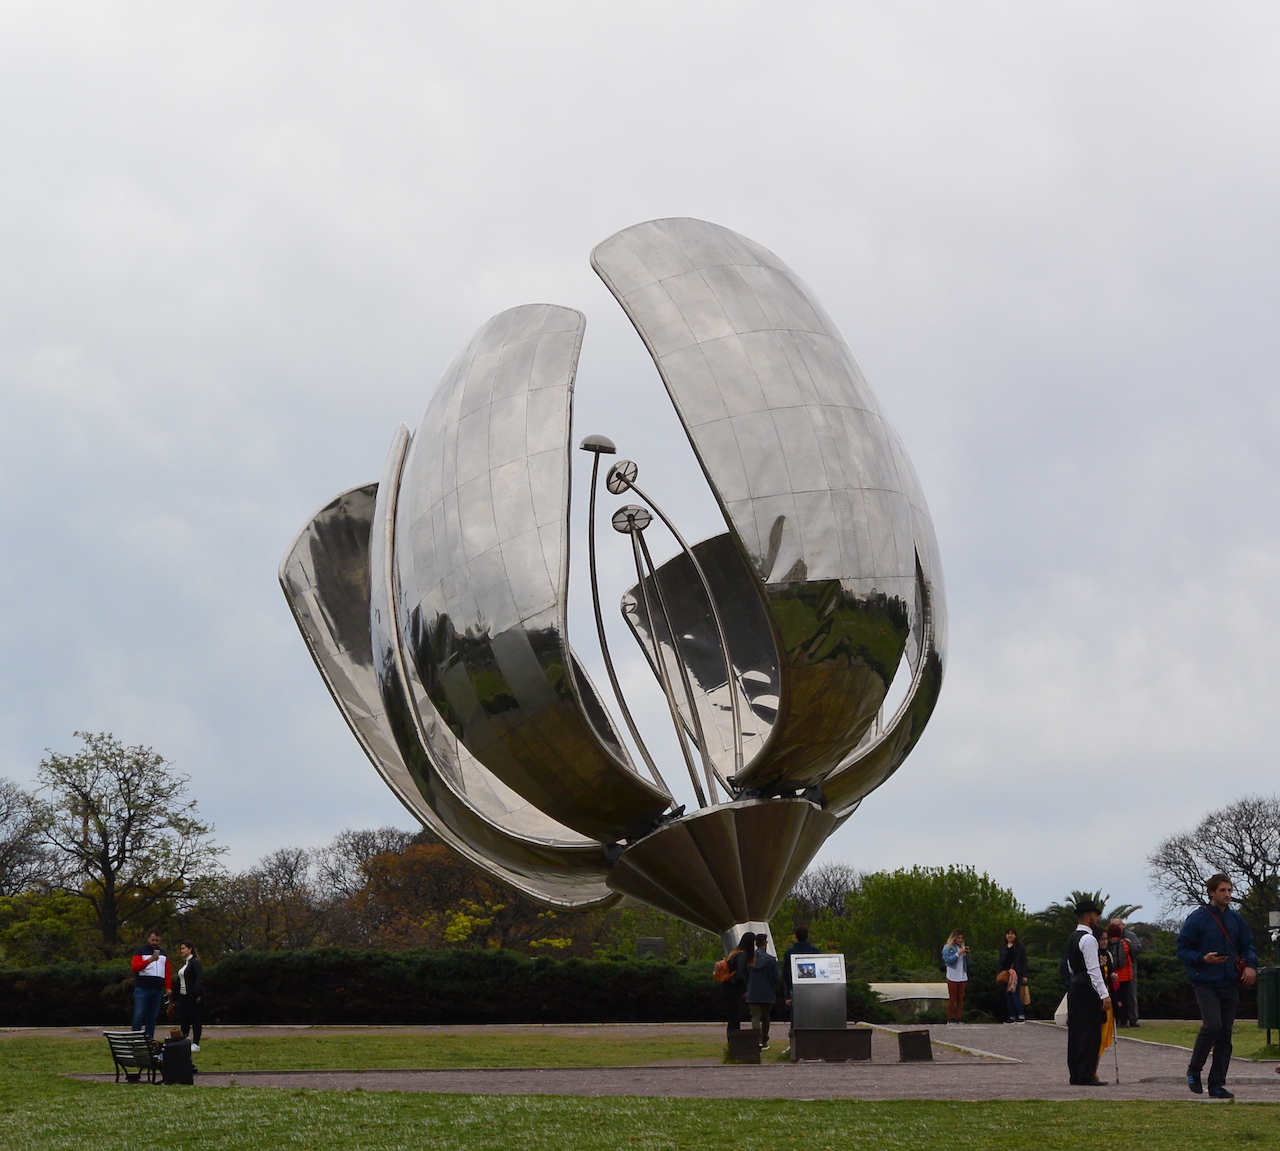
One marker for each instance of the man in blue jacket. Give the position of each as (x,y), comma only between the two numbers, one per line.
(1216,947)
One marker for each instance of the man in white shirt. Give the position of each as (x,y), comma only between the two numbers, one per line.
(1087,999)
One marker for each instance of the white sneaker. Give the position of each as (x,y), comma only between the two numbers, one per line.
(195,1047)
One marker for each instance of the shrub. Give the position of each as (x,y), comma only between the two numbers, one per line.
(338,986)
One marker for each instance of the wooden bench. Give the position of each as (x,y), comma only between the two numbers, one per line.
(132,1049)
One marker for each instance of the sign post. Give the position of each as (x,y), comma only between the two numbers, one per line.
(818,992)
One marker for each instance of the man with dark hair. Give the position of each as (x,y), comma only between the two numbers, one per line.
(802,946)
(1087,998)
(151,979)
(1216,948)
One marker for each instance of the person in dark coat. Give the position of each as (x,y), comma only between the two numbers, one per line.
(762,989)
(736,987)
(802,946)
(1013,959)
(1216,948)
(190,991)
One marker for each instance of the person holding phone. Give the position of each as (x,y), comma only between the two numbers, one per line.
(151,979)
(1216,949)
(955,955)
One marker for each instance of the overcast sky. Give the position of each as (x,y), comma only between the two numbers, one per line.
(241,243)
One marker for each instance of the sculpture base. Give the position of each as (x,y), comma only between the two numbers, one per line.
(724,866)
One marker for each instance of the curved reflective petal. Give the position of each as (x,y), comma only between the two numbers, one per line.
(752,656)
(481,565)
(873,763)
(807,470)
(325,576)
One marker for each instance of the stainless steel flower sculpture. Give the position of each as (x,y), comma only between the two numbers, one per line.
(434,601)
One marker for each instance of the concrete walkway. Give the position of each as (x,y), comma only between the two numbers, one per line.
(972,1062)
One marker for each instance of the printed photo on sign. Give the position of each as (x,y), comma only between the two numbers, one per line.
(817,968)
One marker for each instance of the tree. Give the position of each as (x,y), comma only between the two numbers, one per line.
(824,888)
(273,906)
(1241,840)
(906,915)
(125,838)
(1049,930)
(23,861)
(341,867)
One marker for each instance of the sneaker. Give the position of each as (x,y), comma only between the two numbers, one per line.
(195,1047)
(764,1046)
(1220,1093)
(1193,1081)
(1021,1020)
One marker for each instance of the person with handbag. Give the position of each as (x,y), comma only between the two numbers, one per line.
(1013,967)
(190,990)
(1216,948)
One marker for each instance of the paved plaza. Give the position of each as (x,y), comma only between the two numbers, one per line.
(971,1062)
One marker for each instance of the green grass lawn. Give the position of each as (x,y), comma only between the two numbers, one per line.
(39,1108)
(1247,1040)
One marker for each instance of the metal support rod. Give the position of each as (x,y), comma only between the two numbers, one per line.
(663,677)
(604,643)
(730,678)
(699,735)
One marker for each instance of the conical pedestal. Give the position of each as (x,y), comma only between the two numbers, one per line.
(726,865)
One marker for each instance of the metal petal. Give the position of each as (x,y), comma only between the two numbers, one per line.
(811,477)
(481,563)
(325,576)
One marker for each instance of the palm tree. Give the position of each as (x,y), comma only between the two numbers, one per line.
(1048,930)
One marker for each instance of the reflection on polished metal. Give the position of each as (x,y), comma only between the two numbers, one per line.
(434,602)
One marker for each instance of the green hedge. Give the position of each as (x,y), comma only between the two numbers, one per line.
(336,986)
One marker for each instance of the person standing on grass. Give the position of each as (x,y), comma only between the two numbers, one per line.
(1088,999)
(762,989)
(1216,948)
(1013,959)
(956,956)
(151,979)
(190,993)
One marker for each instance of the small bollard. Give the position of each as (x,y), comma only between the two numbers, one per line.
(744,1047)
(914,1047)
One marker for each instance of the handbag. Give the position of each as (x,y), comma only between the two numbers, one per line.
(1002,977)
(1231,943)
(1025,995)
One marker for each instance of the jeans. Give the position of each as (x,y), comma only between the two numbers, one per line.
(146,1009)
(760,1019)
(1131,1000)
(1217,1015)
(1013,1005)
